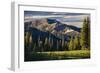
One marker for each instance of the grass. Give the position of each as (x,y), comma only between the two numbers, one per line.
(59,55)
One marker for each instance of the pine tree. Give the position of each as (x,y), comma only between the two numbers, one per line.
(52,44)
(71,44)
(85,34)
(46,44)
(30,44)
(34,47)
(57,45)
(27,35)
(62,42)
(39,41)
(49,42)
(30,39)
(76,43)
(88,21)
(66,46)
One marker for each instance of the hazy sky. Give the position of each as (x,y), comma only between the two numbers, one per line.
(68,18)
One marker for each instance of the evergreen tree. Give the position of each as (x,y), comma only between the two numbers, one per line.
(30,39)
(62,42)
(39,41)
(66,46)
(49,41)
(88,21)
(71,44)
(31,45)
(27,35)
(34,47)
(46,44)
(51,44)
(76,43)
(57,45)
(85,34)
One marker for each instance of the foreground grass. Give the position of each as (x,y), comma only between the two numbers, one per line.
(60,55)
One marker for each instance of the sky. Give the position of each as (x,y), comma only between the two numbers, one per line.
(75,19)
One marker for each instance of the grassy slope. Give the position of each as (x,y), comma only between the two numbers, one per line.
(76,53)
(60,55)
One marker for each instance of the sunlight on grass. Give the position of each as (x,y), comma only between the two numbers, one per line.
(60,55)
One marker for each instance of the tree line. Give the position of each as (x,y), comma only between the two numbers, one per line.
(48,44)
(81,42)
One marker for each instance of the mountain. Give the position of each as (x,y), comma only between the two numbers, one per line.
(51,21)
(45,28)
(65,26)
(38,33)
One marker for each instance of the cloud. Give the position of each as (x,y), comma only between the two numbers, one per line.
(45,16)
(77,24)
(75,19)
(77,16)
